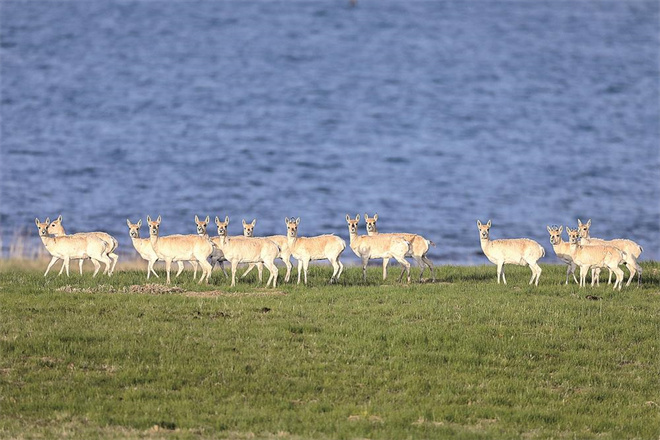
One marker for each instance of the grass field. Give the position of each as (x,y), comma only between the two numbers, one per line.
(462,357)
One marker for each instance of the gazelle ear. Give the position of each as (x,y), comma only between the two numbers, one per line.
(366,216)
(128,223)
(36,221)
(579,223)
(227,219)
(286,220)
(376,217)
(254,222)
(297,221)
(59,219)
(196,218)
(148,218)
(158,219)
(488,224)
(217,220)
(47,220)
(348,218)
(207,220)
(561,228)
(479,223)
(357,217)
(139,223)
(244,223)
(588,223)
(549,229)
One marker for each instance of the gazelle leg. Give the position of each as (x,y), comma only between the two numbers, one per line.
(385,261)
(52,261)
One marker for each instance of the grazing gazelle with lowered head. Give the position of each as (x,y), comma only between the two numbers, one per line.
(519,251)
(70,247)
(180,248)
(321,247)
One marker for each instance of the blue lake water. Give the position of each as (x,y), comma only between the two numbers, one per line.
(431,113)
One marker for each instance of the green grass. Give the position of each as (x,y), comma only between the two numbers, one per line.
(463,357)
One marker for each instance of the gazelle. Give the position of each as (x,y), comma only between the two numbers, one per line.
(563,251)
(631,249)
(419,246)
(595,256)
(216,256)
(383,246)
(144,249)
(247,250)
(180,248)
(280,240)
(321,247)
(520,251)
(56,228)
(70,247)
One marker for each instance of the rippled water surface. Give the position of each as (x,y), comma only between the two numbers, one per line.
(431,113)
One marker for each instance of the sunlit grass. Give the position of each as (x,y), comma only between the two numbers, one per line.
(464,357)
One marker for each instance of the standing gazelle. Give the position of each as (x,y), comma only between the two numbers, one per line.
(631,250)
(520,251)
(56,228)
(71,247)
(180,248)
(383,246)
(247,250)
(562,249)
(419,246)
(595,256)
(144,248)
(321,247)
(280,240)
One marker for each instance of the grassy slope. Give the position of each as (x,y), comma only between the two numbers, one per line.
(462,357)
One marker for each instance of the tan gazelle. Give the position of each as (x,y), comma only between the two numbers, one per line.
(631,249)
(143,247)
(321,247)
(562,250)
(180,248)
(280,240)
(383,246)
(241,249)
(595,256)
(519,251)
(56,228)
(419,246)
(69,247)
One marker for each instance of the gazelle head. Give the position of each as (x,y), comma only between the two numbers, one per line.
(222,226)
(583,228)
(484,230)
(248,228)
(292,227)
(42,227)
(134,228)
(371,222)
(353,223)
(573,235)
(153,226)
(55,228)
(555,234)
(201,225)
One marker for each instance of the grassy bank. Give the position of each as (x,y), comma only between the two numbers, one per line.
(463,357)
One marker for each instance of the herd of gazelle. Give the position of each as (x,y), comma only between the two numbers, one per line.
(580,251)
(201,250)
